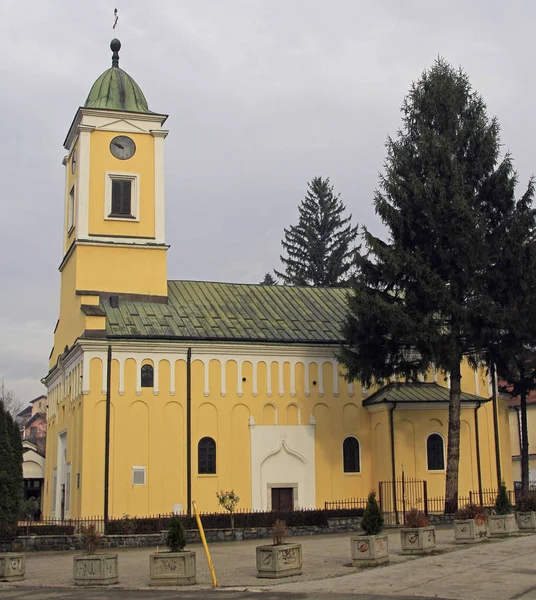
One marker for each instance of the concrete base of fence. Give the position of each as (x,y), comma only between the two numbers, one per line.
(40,543)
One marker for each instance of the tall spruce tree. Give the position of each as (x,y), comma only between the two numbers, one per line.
(509,317)
(320,248)
(6,477)
(418,297)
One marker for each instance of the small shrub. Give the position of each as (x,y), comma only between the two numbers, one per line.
(372,521)
(127,525)
(30,508)
(472,511)
(416,518)
(503,506)
(176,537)
(229,501)
(527,503)
(91,538)
(279,532)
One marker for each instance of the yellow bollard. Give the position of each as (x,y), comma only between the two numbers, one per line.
(205,545)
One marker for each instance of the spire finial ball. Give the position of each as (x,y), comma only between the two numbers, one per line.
(115,45)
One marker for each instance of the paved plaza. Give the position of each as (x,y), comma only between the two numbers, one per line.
(499,569)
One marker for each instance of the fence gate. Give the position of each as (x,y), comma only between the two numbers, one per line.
(398,496)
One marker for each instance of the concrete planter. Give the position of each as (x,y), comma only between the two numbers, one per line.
(418,540)
(468,531)
(526,521)
(369,550)
(12,566)
(95,569)
(279,561)
(502,525)
(172,568)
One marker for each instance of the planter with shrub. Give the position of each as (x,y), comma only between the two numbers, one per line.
(502,521)
(526,516)
(91,568)
(177,566)
(372,548)
(417,536)
(470,524)
(279,559)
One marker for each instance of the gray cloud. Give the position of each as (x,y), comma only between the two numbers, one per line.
(262,96)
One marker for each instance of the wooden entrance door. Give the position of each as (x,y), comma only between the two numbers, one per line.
(282,499)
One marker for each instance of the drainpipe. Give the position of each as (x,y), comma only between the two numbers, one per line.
(495,422)
(478,465)
(107,433)
(189,430)
(393,465)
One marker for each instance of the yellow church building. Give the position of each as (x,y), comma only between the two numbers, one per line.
(163,392)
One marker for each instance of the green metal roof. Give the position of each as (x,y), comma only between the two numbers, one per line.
(116,90)
(198,310)
(416,392)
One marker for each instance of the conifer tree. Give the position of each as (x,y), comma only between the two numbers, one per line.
(268,280)
(417,301)
(320,248)
(7,489)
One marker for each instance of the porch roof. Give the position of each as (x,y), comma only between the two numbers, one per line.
(416,392)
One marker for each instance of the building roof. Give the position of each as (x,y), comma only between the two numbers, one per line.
(116,90)
(416,392)
(198,310)
(41,397)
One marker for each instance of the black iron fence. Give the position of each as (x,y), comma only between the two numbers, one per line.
(399,496)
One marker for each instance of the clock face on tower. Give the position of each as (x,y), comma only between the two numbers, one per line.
(122,147)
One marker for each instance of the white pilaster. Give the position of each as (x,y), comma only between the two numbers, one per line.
(82,213)
(159,136)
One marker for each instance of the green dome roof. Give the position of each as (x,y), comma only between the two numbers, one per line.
(116,90)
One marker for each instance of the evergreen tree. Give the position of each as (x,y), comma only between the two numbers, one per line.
(509,327)
(268,280)
(372,521)
(17,474)
(320,248)
(418,299)
(7,488)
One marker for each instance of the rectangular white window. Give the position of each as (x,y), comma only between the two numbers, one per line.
(138,475)
(122,196)
(70,211)
(68,488)
(54,489)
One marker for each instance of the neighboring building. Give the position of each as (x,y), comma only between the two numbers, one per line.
(243,376)
(515,435)
(33,423)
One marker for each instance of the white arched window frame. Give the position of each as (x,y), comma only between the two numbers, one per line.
(351,462)
(435,457)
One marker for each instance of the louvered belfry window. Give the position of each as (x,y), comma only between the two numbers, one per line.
(122,197)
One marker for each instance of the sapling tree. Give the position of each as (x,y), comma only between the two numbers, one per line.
(372,520)
(229,501)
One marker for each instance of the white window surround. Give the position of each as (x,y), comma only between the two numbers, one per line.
(134,200)
(138,476)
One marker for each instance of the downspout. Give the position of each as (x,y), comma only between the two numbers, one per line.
(478,465)
(107,433)
(393,464)
(189,430)
(495,422)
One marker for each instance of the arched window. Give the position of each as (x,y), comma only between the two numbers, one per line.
(147,376)
(435,452)
(206,456)
(350,455)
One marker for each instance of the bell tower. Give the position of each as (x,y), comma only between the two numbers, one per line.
(113,237)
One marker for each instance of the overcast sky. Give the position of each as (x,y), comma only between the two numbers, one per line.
(263,95)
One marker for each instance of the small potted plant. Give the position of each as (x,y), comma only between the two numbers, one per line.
(417,536)
(279,559)
(526,516)
(470,524)
(92,568)
(177,565)
(502,521)
(372,548)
